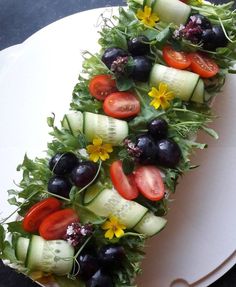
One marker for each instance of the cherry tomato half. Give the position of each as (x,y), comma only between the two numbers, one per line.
(121,105)
(175,59)
(38,212)
(149,182)
(55,225)
(101,86)
(124,184)
(202,65)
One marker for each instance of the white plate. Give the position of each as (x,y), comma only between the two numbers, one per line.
(198,244)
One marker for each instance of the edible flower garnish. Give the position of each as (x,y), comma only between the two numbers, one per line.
(147,17)
(76,233)
(113,227)
(99,150)
(196,2)
(161,96)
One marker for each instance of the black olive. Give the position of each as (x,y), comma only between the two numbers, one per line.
(141,68)
(83,173)
(168,153)
(100,279)
(138,46)
(111,255)
(63,163)
(111,54)
(220,38)
(59,185)
(147,149)
(88,265)
(158,128)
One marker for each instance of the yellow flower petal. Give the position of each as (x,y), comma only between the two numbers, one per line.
(147,11)
(119,233)
(108,147)
(106,225)
(109,234)
(162,87)
(147,17)
(97,141)
(161,96)
(94,157)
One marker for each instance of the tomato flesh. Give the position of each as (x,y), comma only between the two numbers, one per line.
(124,184)
(101,86)
(175,59)
(121,105)
(202,65)
(149,182)
(38,212)
(55,225)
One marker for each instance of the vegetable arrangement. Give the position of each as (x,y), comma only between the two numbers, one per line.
(87,208)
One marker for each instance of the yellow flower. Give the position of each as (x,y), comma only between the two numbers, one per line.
(99,150)
(196,2)
(161,96)
(200,2)
(147,17)
(113,227)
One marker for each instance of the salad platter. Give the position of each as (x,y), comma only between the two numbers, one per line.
(192,211)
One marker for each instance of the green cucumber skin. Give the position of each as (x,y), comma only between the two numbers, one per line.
(111,130)
(198,93)
(74,122)
(42,254)
(150,224)
(181,82)
(178,14)
(109,202)
(22,246)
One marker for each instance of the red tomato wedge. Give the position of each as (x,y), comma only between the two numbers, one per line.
(38,212)
(175,59)
(202,65)
(121,105)
(149,182)
(55,225)
(124,184)
(101,86)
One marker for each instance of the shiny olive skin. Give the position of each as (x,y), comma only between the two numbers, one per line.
(59,185)
(89,265)
(100,279)
(158,128)
(214,38)
(83,173)
(111,255)
(111,54)
(138,46)
(141,68)
(168,153)
(208,40)
(63,163)
(221,40)
(147,149)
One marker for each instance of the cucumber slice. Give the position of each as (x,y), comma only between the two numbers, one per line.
(53,256)
(73,122)
(198,94)
(109,202)
(91,192)
(22,245)
(150,224)
(182,83)
(172,11)
(109,129)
